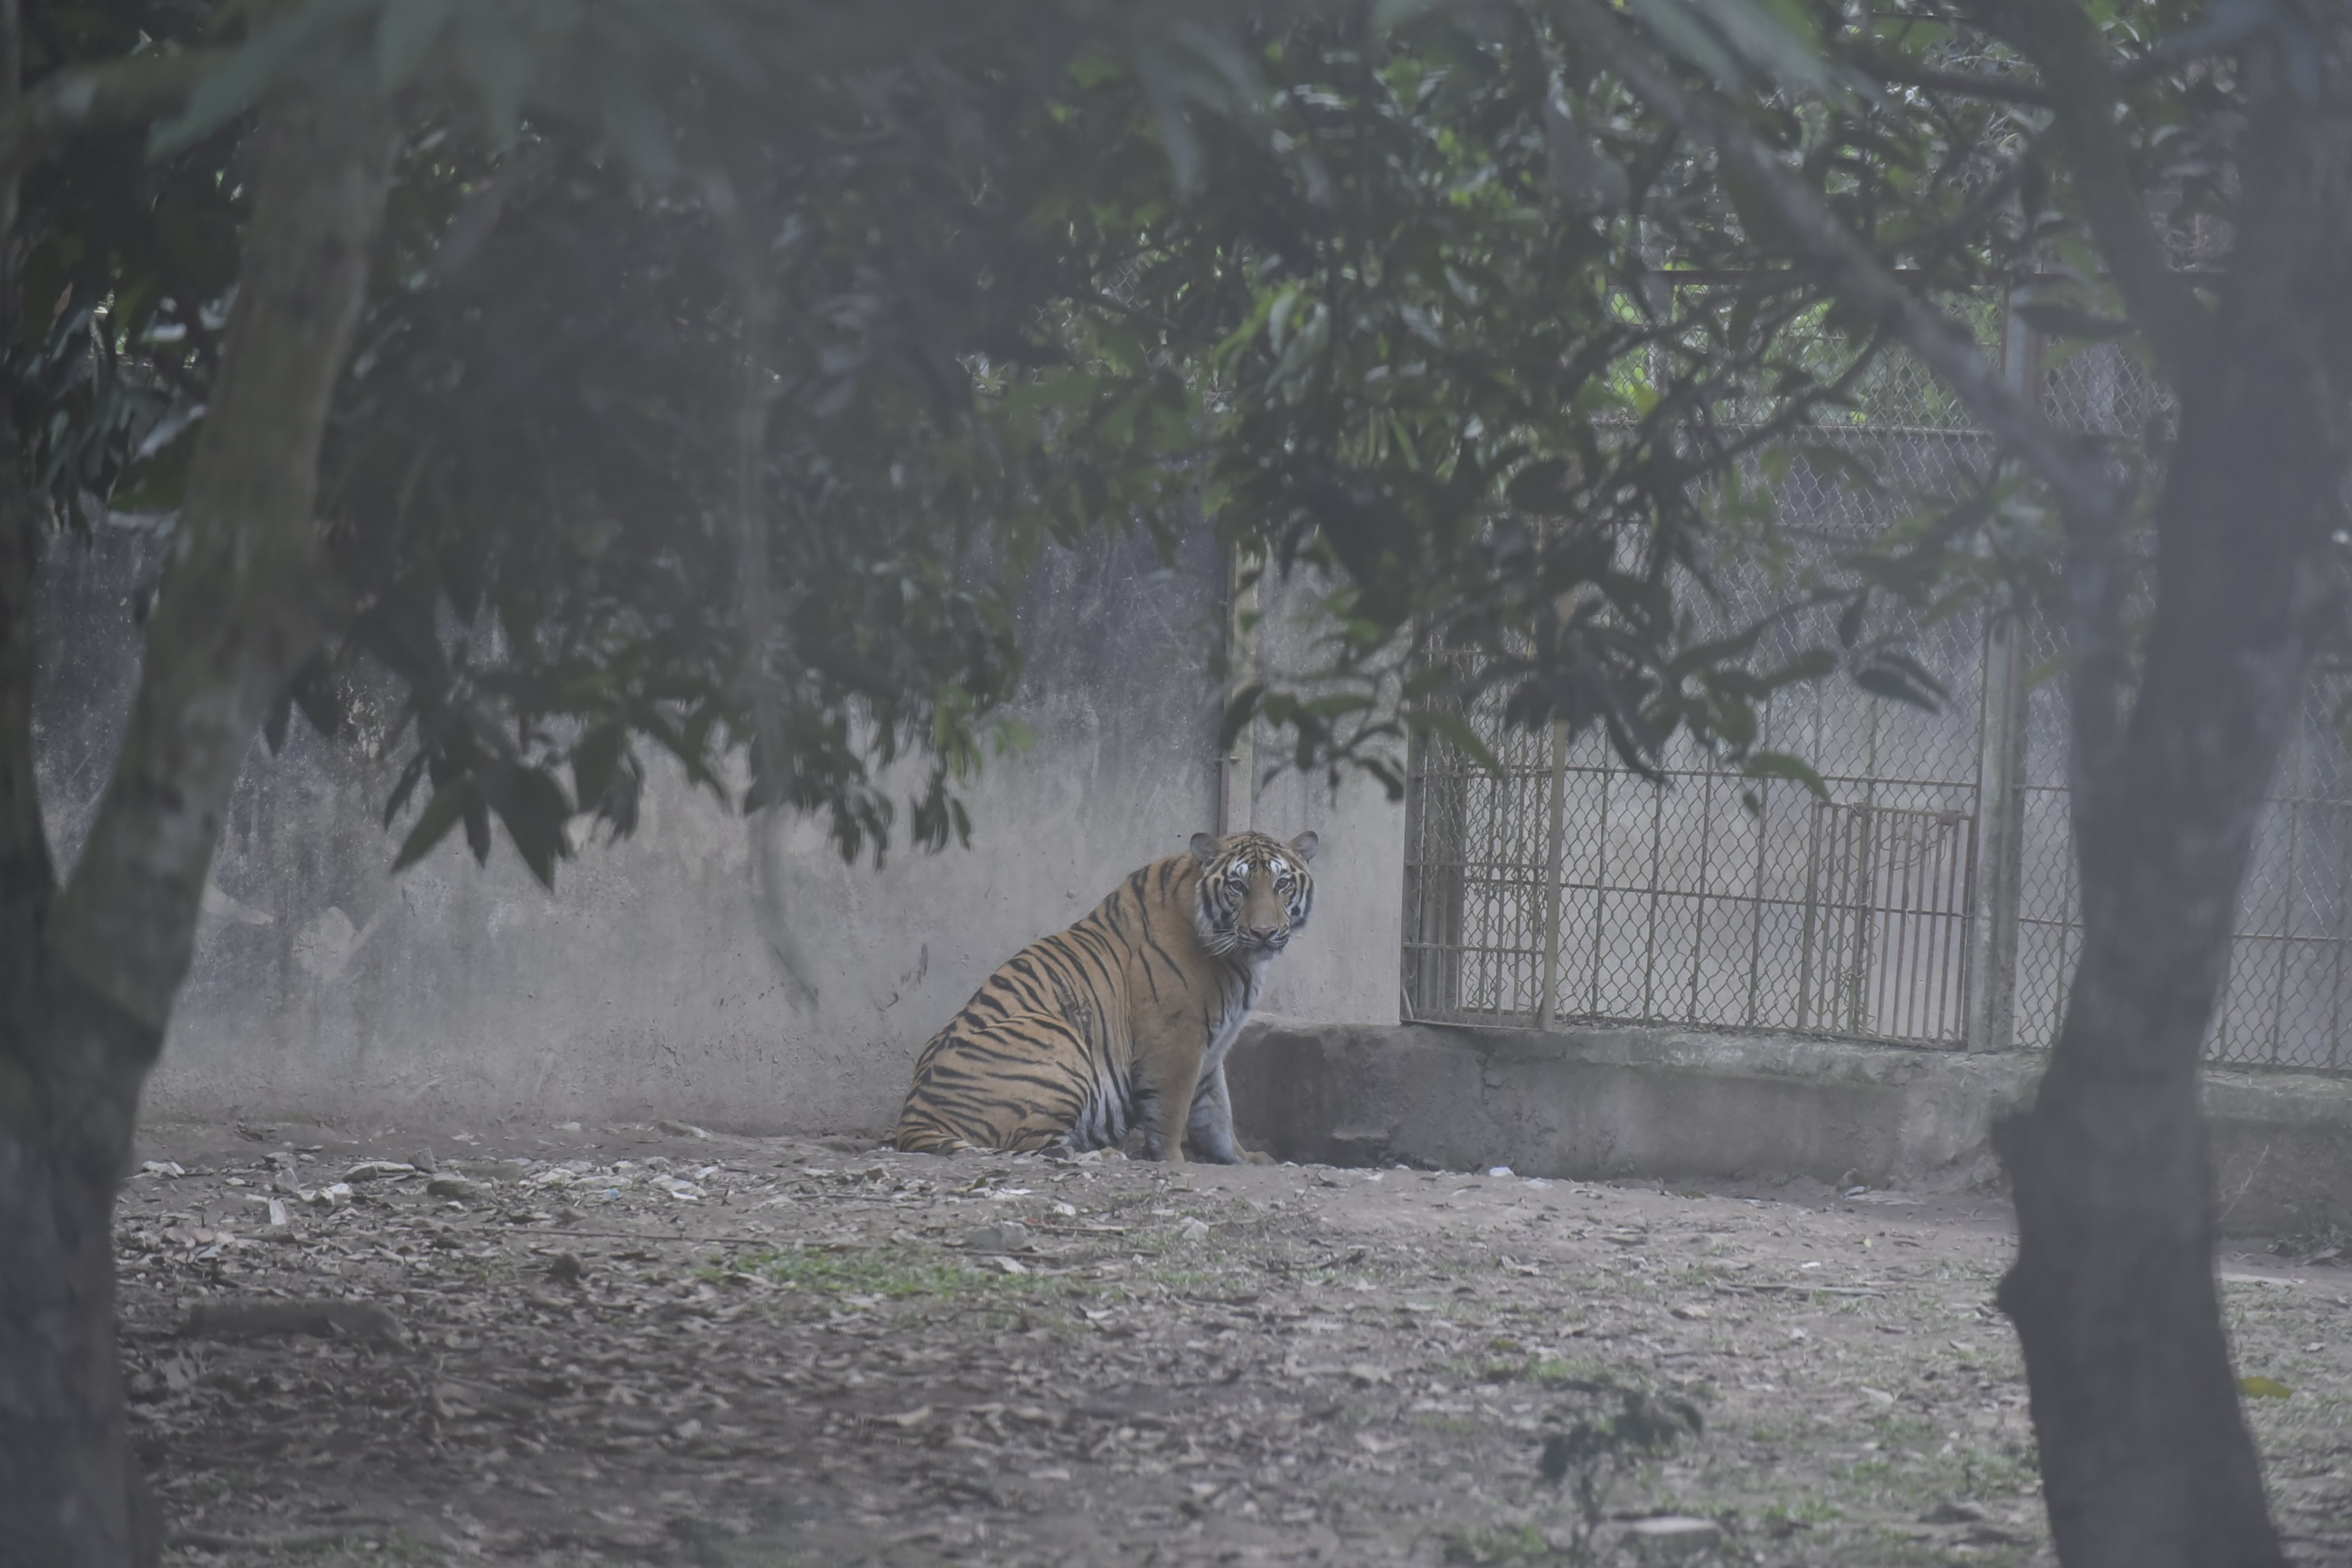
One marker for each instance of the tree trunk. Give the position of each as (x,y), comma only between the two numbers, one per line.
(239,613)
(2145,1458)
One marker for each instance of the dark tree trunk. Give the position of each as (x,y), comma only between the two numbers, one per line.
(239,611)
(2145,1458)
(70,1490)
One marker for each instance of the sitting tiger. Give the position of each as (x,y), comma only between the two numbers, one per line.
(1122,1020)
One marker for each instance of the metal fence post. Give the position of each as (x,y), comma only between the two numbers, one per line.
(1237,768)
(1991,1009)
(1555,840)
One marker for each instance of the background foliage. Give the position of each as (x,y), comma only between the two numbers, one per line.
(1404,299)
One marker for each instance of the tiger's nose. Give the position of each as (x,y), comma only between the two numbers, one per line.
(1265,933)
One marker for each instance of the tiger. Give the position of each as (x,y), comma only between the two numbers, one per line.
(1121,1020)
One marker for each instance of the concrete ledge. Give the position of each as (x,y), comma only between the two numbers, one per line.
(1685,1103)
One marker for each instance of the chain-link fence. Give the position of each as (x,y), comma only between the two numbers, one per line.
(1929,900)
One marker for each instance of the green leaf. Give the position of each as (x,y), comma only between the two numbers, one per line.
(1451,726)
(1784,765)
(247,76)
(404,34)
(1813,664)
(459,798)
(1903,679)
(1849,626)
(2264,1388)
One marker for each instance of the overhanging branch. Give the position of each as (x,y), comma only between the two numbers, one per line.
(2071,468)
(2065,46)
(111,97)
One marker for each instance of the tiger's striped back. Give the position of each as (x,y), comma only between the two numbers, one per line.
(1121,1020)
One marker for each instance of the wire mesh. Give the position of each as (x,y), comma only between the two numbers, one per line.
(1707,897)
(1567,886)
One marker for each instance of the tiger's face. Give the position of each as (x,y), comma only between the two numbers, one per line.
(1256,892)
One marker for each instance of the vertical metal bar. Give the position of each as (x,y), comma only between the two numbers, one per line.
(1558,840)
(1413,927)
(1964,873)
(1237,770)
(1650,930)
(1955,930)
(1865,879)
(2286,933)
(1991,966)
(1706,846)
(1813,904)
(1763,845)
(2336,983)
(1601,886)
(2069,944)
(1900,956)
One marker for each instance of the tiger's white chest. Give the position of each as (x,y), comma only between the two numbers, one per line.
(1241,993)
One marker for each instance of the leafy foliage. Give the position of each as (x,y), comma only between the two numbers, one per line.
(1423,301)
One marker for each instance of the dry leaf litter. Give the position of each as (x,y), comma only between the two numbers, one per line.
(660,1345)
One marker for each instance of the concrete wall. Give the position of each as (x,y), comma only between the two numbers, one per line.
(1686,1104)
(650,984)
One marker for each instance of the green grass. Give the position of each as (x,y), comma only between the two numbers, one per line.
(1548,1371)
(1780,1517)
(1500,1547)
(892,1277)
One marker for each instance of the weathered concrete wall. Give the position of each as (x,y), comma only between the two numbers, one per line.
(1621,1102)
(650,984)
(1345,969)
(1688,1104)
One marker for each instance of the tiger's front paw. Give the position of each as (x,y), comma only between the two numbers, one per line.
(1256,1158)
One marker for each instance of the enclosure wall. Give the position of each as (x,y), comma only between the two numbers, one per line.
(653,981)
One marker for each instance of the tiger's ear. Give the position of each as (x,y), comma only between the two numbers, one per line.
(1205,848)
(1304,845)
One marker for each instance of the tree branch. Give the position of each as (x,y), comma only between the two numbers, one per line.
(2072,467)
(2064,45)
(236,619)
(1965,84)
(115,96)
(27,877)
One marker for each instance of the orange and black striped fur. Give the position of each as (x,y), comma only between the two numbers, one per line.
(1124,1019)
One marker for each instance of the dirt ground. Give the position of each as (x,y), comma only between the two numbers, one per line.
(617,1345)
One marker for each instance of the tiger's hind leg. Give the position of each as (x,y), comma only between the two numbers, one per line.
(1019,1084)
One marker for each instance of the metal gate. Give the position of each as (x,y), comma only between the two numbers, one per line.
(1929,901)
(1569,889)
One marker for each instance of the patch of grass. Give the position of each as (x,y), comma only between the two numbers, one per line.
(1498,1546)
(1780,1517)
(892,1277)
(393,1549)
(2312,1231)
(1550,1371)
